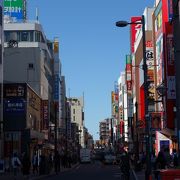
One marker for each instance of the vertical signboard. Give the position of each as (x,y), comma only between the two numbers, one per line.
(129,73)
(45,114)
(134,30)
(159,44)
(14,9)
(170,10)
(1,74)
(56,71)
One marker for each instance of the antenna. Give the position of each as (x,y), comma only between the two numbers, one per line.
(69,92)
(83,99)
(37,15)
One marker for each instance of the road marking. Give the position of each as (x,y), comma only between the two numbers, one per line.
(117,175)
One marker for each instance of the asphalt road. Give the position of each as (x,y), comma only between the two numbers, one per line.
(96,171)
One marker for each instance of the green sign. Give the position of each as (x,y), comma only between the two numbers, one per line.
(14,9)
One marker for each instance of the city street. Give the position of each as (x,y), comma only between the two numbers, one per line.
(95,171)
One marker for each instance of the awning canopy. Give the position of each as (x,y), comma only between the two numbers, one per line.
(168,132)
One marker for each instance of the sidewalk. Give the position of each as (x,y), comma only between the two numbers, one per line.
(9,176)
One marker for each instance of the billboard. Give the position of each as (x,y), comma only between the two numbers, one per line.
(14,9)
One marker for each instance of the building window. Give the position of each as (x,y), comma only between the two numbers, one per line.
(24,36)
(74,118)
(30,66)
(73,111)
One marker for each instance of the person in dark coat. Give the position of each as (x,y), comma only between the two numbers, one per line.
(57,160)
(26,164)
(125,165)
(160,163)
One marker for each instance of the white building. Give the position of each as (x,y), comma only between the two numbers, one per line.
(77,115)
(123,114)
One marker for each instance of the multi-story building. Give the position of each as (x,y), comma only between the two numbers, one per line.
(28,59)
(123,109)
(104,131)
(77,115)
(164,74)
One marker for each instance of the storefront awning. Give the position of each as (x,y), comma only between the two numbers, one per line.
(168,132)
(37,135)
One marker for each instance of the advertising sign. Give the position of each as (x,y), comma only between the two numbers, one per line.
(45,114)
(14,9)
(14,106)
(14,90)
(134,29)
(150,61)
(155,121)
(170,10)
(129,73)
(56,88)
(1,64)
(170,50)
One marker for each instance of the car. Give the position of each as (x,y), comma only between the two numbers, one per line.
(109,158)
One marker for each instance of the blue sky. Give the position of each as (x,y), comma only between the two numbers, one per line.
(92,48)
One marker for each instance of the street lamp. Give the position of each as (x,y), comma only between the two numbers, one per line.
(142,22)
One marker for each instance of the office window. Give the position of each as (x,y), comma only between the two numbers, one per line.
(24,36)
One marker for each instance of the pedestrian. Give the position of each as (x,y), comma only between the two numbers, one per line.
(57,162)
(26,164)
(160,163)
(35,163)
(175,158)
(168,158)
(125,165)
(16,163)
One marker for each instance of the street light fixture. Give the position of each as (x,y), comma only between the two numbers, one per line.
(148,159)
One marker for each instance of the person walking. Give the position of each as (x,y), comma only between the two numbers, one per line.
(35,163)
(16,163)
(175,158)
(125,165)
(26,164)
(57,162)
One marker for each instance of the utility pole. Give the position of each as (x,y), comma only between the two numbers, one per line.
(148,159)
(137,143)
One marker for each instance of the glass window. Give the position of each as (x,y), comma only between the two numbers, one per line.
(37,36)
(24,36)
(31,36)
(6,36)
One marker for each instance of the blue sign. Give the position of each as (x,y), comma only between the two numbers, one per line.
(56,88)
(14,106)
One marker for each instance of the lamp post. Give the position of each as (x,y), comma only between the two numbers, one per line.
(142,22)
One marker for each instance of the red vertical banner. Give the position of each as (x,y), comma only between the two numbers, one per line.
(134,28)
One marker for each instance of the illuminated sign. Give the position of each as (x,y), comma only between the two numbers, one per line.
(14,90)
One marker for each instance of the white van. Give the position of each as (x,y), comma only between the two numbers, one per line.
(85,155)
